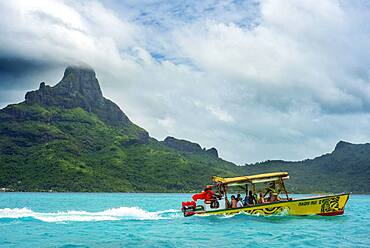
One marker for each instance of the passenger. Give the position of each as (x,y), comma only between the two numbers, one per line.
(261,199)
(251,199)
(245,201)
(270,188)
(227,203)
(257,197)
(274,197)
(233,202)
(239,197)
(239,203)
(272,192)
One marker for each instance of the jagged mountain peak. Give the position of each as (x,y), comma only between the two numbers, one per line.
(78,82)
(189,147)
(182,145)
(341,145)
(79,88)
(83,80)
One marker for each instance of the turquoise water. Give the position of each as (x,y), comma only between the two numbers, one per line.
(153,220)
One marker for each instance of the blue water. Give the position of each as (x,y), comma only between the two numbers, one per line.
(153,220)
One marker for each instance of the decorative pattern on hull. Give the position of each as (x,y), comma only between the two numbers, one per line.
(330,205)
(265,211)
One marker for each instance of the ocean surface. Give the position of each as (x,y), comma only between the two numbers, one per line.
(154,220)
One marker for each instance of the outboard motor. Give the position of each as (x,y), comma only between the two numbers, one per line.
(190,208)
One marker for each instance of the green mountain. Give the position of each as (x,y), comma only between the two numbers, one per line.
(70,138)
(346,169)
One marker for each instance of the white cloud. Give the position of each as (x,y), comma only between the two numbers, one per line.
(220,114)
(55,31)
(268,80)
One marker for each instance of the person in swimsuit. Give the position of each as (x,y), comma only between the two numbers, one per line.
(234,202)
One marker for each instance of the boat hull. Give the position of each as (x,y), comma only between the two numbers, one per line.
(322,205)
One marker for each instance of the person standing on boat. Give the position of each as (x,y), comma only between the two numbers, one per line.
(209,193)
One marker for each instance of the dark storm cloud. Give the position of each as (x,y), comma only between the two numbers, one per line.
(17,73)
(13,66)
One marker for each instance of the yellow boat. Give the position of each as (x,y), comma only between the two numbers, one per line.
(278,201)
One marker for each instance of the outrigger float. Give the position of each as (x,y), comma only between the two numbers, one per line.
(327,205)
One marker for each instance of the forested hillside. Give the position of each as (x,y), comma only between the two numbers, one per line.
(68,137)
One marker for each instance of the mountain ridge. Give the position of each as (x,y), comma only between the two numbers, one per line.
(69,137)
(346,168)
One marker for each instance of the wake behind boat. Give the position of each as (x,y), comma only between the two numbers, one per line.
(265,194)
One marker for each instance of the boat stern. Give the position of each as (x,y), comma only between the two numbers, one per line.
(190,208)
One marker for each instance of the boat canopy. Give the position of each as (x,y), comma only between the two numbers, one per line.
(259,178)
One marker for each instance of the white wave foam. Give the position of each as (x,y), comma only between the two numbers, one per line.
(128,213)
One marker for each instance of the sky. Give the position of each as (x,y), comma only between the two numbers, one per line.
(258,80)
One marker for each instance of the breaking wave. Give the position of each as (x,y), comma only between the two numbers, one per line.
(121,213)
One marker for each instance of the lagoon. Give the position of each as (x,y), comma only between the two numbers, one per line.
(154,220)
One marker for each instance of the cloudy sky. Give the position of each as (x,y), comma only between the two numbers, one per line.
(257,80)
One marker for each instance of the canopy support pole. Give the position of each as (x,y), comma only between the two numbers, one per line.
(283,185)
